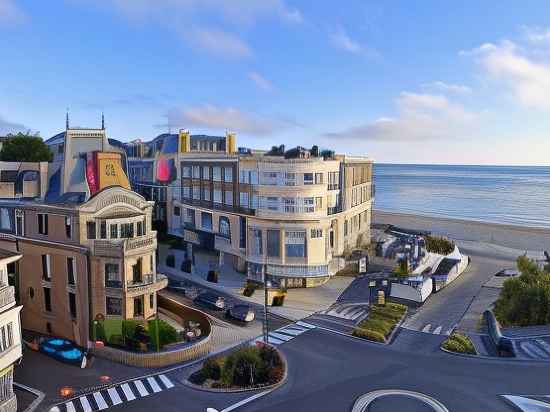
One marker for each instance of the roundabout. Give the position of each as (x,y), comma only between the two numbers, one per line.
(397,399)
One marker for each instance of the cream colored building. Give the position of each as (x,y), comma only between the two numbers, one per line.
(292,215)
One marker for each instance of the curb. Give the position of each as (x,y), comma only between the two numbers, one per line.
(493,358)
(39,396)
(268,388)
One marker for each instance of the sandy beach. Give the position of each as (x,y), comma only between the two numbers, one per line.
(519,238)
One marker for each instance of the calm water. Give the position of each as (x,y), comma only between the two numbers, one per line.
(516,195)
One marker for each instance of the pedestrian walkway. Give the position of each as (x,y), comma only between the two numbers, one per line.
(432,329)
(116,395)
(285,334)
(532,348)
(529,403)
(353,312)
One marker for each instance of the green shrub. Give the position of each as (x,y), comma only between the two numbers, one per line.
(369,334)
(211,369)
(129,328)
(167,333)
(439,245)
(460,344)
(241,368)
(197,378)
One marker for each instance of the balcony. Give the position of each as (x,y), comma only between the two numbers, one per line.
(149,283)
(7,297)
(121,247)
(223,244)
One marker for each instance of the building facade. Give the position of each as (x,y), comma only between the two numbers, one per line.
(86,240)
(289,214)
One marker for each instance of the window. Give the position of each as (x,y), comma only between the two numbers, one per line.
(316,233)
(217,196)
(68,228)
(228,174)
(42,223)
(19,223)
(318,178)
(186,171)
(253,177)
(6,333)
(139,228)
(273,243)
(196,172)
(138,306)
(333,180)
(206,172)
(46,273)
(60,148)
(71,269)
(152,301)
(206,193)
(206,220)
(242,232)
(254,201)
(72,304)
(309,205)
(176,211)
(190,218)
(290,205)
(257,246)
(103,229)
(272,203)
(243,199)
(229,197)
(47,299)
(290,179)
(318,203)
(126,230)
(217,174)
(113,306)
(90,230)
(186,192)
(270,178)
(308,178)
(244,176)
(345,227)
(225,227)
(196,192)
(295,242)
(114,230)
(112,275)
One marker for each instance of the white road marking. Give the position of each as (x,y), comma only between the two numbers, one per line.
(101,404)
(128,392)
(273,340)
(305,325)
(437,330)
(526,404)
(291,331)
(141,389)
(113,394)
(427,328)
(281,336)
(245,401)
(85,404)
(154,385)
(167,382)
(70,407)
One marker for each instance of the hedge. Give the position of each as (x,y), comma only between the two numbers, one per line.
(460,344)
(381,321)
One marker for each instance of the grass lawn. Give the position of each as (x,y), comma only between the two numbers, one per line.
(460,344)
(381,321)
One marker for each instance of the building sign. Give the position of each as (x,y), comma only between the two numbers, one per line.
(104,169)
(363,265)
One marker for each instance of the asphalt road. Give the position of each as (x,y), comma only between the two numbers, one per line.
(444,309)
(328,372)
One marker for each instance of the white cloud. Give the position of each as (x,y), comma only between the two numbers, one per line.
(260,81)
(10,127)
(218,43)
(10,13)
(519,70)
(225,118)
(447,87)
(537,34)
(420,117)
(341,40)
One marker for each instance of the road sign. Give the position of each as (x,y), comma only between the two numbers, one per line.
(363,265)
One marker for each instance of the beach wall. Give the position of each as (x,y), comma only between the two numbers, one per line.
(516,237)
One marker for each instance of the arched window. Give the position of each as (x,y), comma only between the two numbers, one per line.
(225,227)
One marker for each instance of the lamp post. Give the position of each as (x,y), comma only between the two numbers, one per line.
(267,285)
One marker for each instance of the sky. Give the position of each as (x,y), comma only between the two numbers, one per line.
(428,81)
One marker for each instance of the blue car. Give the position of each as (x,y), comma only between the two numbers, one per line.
(63,350)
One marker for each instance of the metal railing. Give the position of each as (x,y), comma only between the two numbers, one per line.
(7,295)
(146,279)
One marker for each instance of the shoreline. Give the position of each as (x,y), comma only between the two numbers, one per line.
(524,238)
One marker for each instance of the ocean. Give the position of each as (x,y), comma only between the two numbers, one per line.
(517,195)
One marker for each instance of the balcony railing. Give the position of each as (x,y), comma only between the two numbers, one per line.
(113,283)
(7,296)
(145,280)
(118,247)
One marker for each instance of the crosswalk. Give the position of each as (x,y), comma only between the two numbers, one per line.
(286,333)
(535,348)
(125,392)
(353,312)
(538,403)
(434,329)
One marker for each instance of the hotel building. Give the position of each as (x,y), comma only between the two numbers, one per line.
(86,240)
(290,214)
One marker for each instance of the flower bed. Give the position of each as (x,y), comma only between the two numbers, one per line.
(460,344)
(246,368)
(381,322)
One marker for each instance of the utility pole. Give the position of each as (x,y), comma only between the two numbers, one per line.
(266,327)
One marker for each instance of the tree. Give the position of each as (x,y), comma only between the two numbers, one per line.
(24,147)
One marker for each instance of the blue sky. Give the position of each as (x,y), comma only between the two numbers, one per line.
(399,81)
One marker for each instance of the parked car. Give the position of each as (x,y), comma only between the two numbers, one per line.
(210,300)
(242,313)
(509,273)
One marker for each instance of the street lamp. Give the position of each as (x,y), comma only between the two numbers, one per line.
(267,284)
